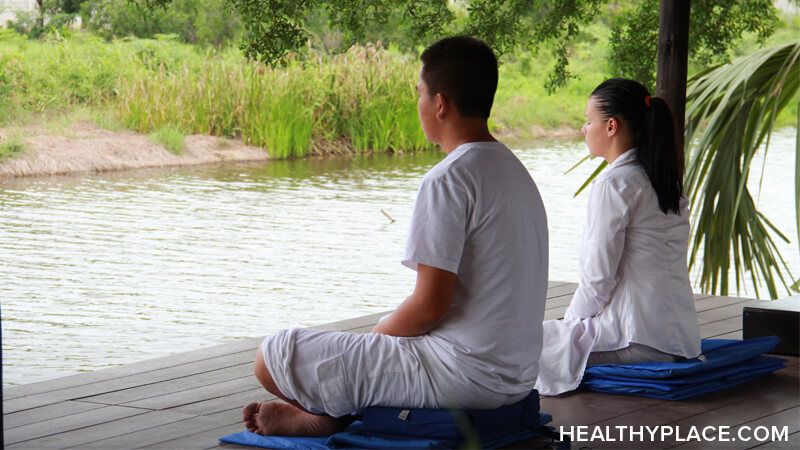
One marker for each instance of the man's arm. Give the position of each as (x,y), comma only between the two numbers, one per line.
(424,308)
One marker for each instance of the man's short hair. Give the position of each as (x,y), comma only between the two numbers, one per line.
(464,69)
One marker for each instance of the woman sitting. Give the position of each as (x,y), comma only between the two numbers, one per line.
(634,301)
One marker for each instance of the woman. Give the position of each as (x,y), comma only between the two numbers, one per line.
(634,301)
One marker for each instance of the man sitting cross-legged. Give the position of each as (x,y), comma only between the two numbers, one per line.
(469,336)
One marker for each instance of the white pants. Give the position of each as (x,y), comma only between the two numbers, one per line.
(340,373)
(632,354)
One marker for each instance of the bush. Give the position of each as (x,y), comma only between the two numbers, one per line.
(171,137)
(207,22)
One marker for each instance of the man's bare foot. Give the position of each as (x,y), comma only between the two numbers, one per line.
(280,419)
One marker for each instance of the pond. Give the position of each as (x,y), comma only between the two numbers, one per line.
(101,270)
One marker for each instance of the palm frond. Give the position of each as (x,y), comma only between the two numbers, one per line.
(731,113)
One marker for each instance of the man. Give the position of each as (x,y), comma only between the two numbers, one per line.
(469,335)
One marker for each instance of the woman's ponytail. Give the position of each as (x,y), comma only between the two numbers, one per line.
(653,129)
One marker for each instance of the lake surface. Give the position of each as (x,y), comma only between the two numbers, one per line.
(101,270)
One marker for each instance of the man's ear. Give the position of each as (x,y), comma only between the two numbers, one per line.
(442,105)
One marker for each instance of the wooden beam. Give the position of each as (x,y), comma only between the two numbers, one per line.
(673,57)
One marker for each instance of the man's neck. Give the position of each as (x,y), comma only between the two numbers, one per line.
(466,130)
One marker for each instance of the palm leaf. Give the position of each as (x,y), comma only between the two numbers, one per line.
(731,112)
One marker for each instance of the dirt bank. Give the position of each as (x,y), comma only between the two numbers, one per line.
(87,148)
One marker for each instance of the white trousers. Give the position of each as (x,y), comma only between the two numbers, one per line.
(338,373)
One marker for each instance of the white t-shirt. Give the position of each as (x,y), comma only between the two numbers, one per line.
(479,215)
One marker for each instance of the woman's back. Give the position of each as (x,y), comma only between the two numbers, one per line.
(652,303)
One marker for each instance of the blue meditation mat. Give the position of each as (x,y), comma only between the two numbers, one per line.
(723,363)
(415,428)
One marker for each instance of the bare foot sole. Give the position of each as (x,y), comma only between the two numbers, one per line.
(280,419)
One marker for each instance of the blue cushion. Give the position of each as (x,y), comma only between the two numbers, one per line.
(451,425)
(723,364)
(421,428)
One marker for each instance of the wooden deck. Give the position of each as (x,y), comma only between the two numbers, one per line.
(191,399)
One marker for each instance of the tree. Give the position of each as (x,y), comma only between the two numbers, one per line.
(49,15)
(732,109)
(274,28)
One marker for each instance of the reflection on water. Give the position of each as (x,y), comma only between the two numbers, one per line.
(108,269)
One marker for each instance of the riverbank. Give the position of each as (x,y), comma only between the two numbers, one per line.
(84,147)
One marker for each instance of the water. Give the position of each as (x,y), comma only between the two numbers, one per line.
(109,269)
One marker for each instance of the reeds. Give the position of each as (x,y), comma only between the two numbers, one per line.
(363,98)
(359,101)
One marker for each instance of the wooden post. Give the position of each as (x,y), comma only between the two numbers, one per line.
(673,57)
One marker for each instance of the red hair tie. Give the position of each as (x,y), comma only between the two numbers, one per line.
(647,101)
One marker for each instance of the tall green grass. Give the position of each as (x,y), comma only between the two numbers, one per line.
(171,137)
(363,98)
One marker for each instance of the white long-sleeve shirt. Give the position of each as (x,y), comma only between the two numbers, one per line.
(634,283)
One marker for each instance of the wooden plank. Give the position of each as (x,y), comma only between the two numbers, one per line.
(724,312)
(757,399)
(128,382)
(564,289)
(157,434)
(731,335)
(700,296)
(708,330)
(206,390)
(562,301)
(132,369)
(106,430)
(228,374)
(64,424)
(585,408)
(232,401)
(202,440)
(705,302)
(552,284)
(555,313)
(201,393)
(48,412)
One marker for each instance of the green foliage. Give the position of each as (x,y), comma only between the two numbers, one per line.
(49,17)
(207,22)
(171,137)
(364,98)
(275,28)
(732,111)
(523,102)
(11,145)
(12,79)
(637,62)
(106,119)
(716,26)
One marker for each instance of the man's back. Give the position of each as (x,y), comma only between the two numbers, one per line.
(481,215)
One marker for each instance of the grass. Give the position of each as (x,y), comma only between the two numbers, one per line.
(171,137)
(12,144)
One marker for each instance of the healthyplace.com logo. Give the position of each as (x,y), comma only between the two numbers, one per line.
(676,433)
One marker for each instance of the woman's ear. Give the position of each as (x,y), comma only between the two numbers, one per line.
(612,126)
